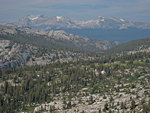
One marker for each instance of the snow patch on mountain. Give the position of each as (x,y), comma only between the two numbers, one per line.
(122,20)
(33,18)
(103,20)
(59,18)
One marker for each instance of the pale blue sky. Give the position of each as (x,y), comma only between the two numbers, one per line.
(134,10)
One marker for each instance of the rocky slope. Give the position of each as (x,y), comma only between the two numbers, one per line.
(15,54)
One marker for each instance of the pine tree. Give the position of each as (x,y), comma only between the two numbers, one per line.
(105,107)
(133,104)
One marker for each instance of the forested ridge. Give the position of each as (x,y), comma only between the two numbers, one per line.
(135,45)
(53,39)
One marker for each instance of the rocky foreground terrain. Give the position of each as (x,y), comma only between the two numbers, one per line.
(127,97)
(117,84)
(129,93)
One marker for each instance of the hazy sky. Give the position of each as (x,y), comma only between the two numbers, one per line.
(135,10)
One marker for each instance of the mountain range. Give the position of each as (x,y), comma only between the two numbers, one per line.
(121,30)
(25,46)
(67,38)
(59,22)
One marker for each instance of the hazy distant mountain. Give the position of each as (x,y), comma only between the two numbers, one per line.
(59,22)
(99,28)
